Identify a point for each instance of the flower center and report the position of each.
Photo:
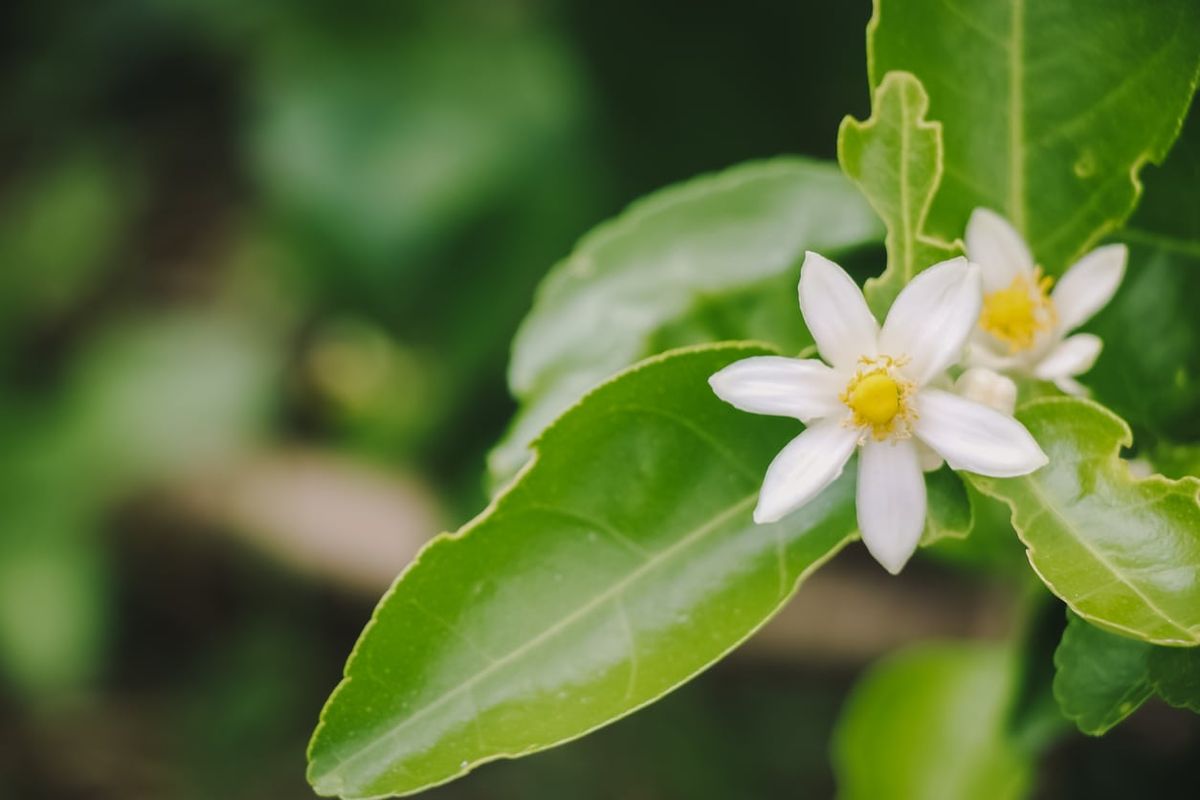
(1017, 315)
(877, 398)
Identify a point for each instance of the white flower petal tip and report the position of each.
(1068, 385)
(993, 243)
(975, 438)
(803, 468)
(786, 387)
(982, 385)
(835, 312)
(891, 501)
(1089, 284)
(1074, 355)
(930, 320)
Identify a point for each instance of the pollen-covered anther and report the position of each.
(1017, 314)
(879, 399)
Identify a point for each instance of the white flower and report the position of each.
(1023, 326)
(875, 398)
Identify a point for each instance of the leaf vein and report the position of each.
(550, 632)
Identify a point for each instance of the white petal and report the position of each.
(975, 438)
(1068, 385)
(928, 458)
(982, 385)
(981, 353)
(995, 245)
(930, 321)
(787, 387)
(1074, 355)
(1088, 285)
(891, 501)
(808, 464)
(835, 312)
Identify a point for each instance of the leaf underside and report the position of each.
(709, 249)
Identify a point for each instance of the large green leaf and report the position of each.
(1103, 678)
(1149, 369)
(895, 157)
(672, 256)
(1050, 109)
(620, 563)
(930, 723)
(1169, 213)
(1122, 552)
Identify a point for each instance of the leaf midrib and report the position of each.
(612, 592)
(1016, 116)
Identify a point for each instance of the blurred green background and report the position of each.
(260, 263)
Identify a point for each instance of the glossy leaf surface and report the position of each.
(619, 564)
(1050, 109)
(895, 157)
(929, 723)
(1122, 552)
(1102, 677)
(679, 254)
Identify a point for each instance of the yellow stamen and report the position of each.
(1017, 314)
(877, 397)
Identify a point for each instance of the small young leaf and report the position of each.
(930, 723)
(1123, 553)
(679, 252)
(1050, 109)
(1103, 678)
(895, 157)
(621, 562)
(951, 512)
(1175, 672)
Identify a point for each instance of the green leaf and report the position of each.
(620, 563)
(929, 723)
(1102, 678)
(670, 257)
(1152, 379)
(1175, 673)
(1169, 213)
(951, 510)
(1123, 553)
(1050, 109)
(1149, 369)
(895, 157)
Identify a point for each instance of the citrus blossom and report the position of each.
(874, 396)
